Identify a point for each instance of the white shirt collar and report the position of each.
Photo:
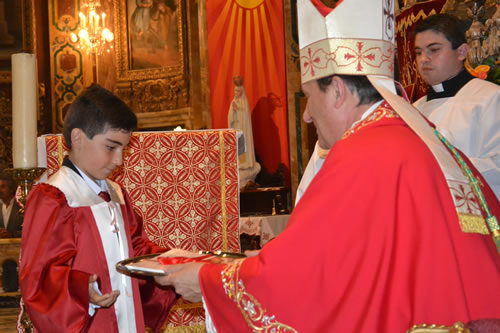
(96, 186)
(438, 87)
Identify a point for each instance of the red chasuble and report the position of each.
(374, 245)
(62, 248)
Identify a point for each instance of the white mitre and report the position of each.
(356, 37)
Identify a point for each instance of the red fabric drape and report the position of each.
(246, 37)
(364, 253)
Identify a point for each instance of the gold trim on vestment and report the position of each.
(380, 112)
(187, 306)
(458, 327)
(60, 150)
(346, 56)
(223, 191)
(253, 313)
(185, 329)
(472, 224)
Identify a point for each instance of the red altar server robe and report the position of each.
(374, 245)
(62, 248)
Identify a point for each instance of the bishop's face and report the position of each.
(436, 60)
(322, 109)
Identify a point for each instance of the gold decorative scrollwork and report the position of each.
(255, 315)
(157, 103)
(458, 327)
(157, 91)
(159, 94)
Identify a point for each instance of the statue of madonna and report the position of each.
(239, 118)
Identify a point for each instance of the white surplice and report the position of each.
(470, 120)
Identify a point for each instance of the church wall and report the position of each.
(162, 97)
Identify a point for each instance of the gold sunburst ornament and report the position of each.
(249, 4)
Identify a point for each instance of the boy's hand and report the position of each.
(104, 301)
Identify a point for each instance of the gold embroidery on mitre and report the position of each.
(383, 111)
(253, 313)
(351, 56)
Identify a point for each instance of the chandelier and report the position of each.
(93, 36)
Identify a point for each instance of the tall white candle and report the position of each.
(24, 110)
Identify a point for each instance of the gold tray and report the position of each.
(144, 265)
(148, 265)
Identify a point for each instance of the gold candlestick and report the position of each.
(25, 178)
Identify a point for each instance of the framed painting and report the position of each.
(17, 32)
(150, 39)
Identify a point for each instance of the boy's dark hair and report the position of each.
(356, 84)
(450, 26)
(95, 111)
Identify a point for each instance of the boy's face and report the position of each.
(437, 61)
(101, 155)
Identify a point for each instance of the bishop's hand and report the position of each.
(184, 278)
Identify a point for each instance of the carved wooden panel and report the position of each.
(302, 136)
(161, 79)
(157, 103)
(152, 61)
(69, 64)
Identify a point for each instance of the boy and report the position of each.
(79, 224)
(463, 108)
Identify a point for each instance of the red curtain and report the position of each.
(246, 37)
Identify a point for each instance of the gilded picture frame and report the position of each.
(19, 19)
(150, 39)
